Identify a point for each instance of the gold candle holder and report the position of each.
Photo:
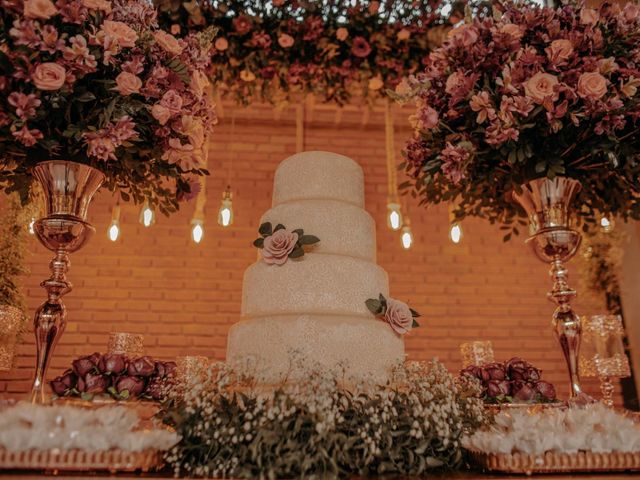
(476, 353)
(191, 368)
(129, 344)
(11, 319)
(602, 353)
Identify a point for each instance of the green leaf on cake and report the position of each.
(415, 324)
(297, 252)
(374, 306)
(279, 227)
(414, 314)
(258, 242)
(265, 229)
(309, 239)
(299, 231)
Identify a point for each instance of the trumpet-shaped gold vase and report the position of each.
(68, 188)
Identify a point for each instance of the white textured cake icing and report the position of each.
(314, 306)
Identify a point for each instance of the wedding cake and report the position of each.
(313, 307)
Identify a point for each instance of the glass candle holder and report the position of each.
(11, 319)
(602, 352)
(476, 353)
(191, 369)
(129, 344)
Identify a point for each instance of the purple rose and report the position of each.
(65, 382)
(141, 366)
(112, 363)
(84, 365)
(398, 315)
(476, 372)
(523, 391)
(93, 383)
(546, 390)
(278, 246)
(133, 385)
(165, 369)
(496, 371)
(498, 388)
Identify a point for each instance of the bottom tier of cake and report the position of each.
(288, 347)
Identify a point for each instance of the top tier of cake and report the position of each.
(319, 176)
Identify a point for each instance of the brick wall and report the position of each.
(184, 297)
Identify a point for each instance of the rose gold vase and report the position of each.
(547, 203)
(68, 188)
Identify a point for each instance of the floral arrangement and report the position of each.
(397, 314)
(527, 93)
(25, 427)
(279, 244)
(513, 381)
(275, 50)
(115, 376)
(318, 427)
(96, 82)
(596, 428)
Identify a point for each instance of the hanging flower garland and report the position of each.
(272, 51)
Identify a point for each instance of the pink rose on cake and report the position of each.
(279, 244)
(397, 314)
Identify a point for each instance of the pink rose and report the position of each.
(278, 246)
(559, 50)
(49, 76)
(221, 44)
(589, 16)
(398, 315)
(631, 12)
(127, 83)
(512, 30)
(40, 9)
(453, 82)
(541, 86)
(467, 35)
(403, 35)
(429, 119)
(120, 33)
(285, 41)
(161, 113)
(198, 83)
(342, 34)
(172, 101)
(103, 5)
(168, 42)
(592, 86)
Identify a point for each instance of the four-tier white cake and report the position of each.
(314, 307)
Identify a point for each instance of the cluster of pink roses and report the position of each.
(272, 50)
(530, 91)
(96, 81)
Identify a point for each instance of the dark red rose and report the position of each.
(65, 382)
(93, 383)
(526, 374)
(112, 363)
(360, 47)
(141, 366)
(495, 371)
(133, 385)
(522, 391)
(83, 365)
(242, 24)
(498, 388)
(164, 369)
(546, 390)
(476, 372)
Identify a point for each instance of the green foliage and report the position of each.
(320, 428)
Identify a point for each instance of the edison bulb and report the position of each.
(147, 216)
(455, 234)
(394, 219)
(605, 223)
(225, 214)
(407, 237)
(114, 231)
(197, 231)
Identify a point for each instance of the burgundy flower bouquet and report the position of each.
(98, 83)
(529, 93)
(115, 376)
(515, 381)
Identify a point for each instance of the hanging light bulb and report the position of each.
(394, 216)
(147, 215)
(225, 214)
(407, 237)
(113, 232)
(32, 224)
(455, 233)
(197, 229)
(606, 224)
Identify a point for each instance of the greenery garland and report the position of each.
(336, 49)
(320, 428)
